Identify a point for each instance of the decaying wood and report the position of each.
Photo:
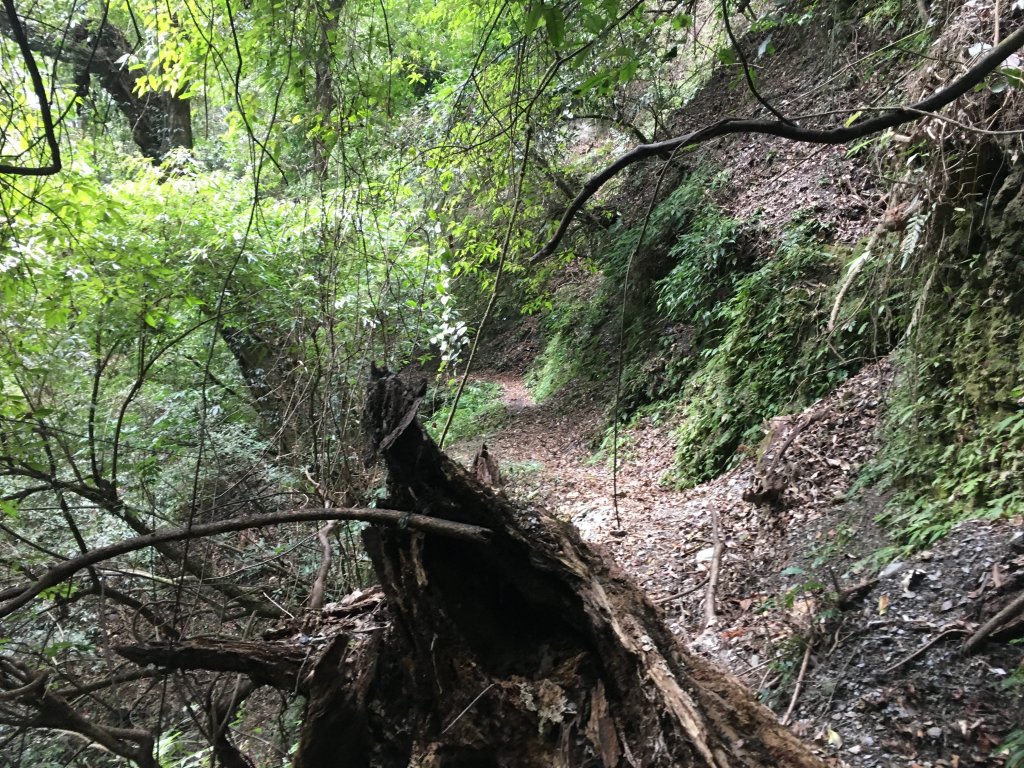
(274, 664)
(525, 651)
(710, 616)
(1013, 609)
(485, 468)
(773, 475)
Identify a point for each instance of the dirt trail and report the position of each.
(780, 564)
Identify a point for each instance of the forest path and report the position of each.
(869, 696)
(546, 453)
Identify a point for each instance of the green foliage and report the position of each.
(771, 357)
(572, 330)
(1013, 749)
(954, 432)
(1013, 745)
(709, 262)
(897, 14)
(481, 410)
(554, 367)
(581, 326)
(677, 219)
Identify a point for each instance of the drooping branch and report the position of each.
(791, 130)
(16, 597)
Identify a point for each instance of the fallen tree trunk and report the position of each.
(524, 650)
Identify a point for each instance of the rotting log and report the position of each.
(526, 650)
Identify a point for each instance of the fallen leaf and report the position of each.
(883, 604)
(833, 738)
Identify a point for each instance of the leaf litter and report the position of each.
(873, 649)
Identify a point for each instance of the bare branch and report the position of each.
(17, 597)
(18, 33)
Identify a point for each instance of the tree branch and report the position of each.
(18, 33)
(53, 712)
(790, 130)
(16, 597)
(158, 121)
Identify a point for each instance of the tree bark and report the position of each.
(158, 121)
(526, 650)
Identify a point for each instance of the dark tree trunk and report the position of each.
(274, 377)
(158, 122)
(525, 651)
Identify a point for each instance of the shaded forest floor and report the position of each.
(881, 678)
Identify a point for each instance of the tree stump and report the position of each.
(526, 651)
(485, 468)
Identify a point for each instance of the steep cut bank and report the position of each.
(751, 277)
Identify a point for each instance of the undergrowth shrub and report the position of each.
(680, 215)
(953, 433)
(953, 444)
(762, 364)
(581, 328)
(774, 354)
(571, 327)
(480, 411)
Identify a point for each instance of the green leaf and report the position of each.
(533, 17)
(554, 21)
(627, 71)
(600, 81)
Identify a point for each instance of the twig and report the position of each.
(668, 598)
(990, 626)
(468, 707)
(914, 654)
(716, 560)
(746, 66)
(799, 684)
(316, 595)
(832, 695)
